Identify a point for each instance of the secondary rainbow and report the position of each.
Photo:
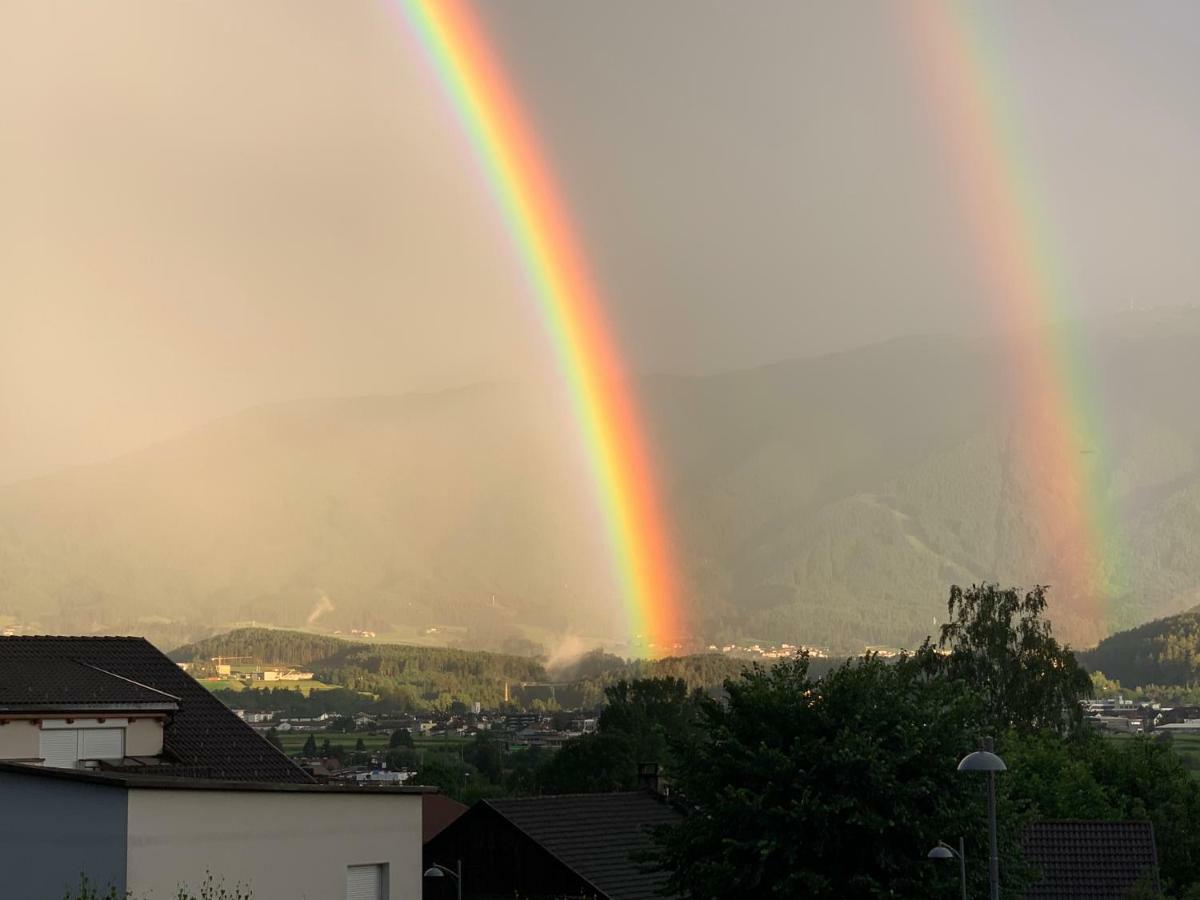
(1055, 403)
(570, 306)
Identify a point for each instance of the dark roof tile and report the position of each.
(202, 735)
(1098, 860)
(596, 835)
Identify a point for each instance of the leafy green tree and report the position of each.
(825, 788)
(310, 746)
(403, 758)
(360, 746)
(640, 722)
(650, 712)
(1000, 643)
(401, 737)
(593, 763)
(521, 777)
(445, 772)
(1090, 776)
(486, 754)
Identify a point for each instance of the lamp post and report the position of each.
(439, 871)
(986, 761)
(945, 851)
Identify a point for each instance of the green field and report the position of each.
(232, 684)
(293, 742)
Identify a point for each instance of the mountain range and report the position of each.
(827, 501)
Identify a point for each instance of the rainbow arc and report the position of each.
(570, 306)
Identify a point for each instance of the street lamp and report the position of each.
(945, 851)
(439, 871)
(986, 761)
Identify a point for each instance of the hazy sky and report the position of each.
(206, 205)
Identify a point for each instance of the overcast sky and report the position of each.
(208, 205)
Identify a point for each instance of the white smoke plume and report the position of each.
(324, 605)
(566, 652)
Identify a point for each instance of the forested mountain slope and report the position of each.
(827, 501)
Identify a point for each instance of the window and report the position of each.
(366, 882)
(102, 743)
(63, 748)
(59, 749)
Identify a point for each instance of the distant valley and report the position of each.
(827, 501)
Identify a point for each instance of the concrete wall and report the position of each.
(19, 740)
(283, 845)
(53, 830)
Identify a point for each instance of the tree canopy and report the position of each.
(1000, 643)
(824, 788)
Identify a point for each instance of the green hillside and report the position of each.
(1163, 652)
(430, 677)
(826, 501)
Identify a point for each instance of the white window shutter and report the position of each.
(59, 748)
(103, 743)
(364, 883)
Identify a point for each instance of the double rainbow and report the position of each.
(570, 306)
(1058, 434)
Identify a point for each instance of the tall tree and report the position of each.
(1000, 643)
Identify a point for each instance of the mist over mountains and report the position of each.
(826, 501)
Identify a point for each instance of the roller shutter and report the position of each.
(102, 743)
(364, 883)
(59, 748)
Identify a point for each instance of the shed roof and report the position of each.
(201, 735)
(595, 835)
(1093, 859)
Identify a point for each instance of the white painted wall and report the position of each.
(284, 845)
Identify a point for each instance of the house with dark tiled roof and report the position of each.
(117, 765)
(1075, 858)
(576, 845)
(118, 704)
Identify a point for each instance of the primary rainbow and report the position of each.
(570, 306)
(1055, 403)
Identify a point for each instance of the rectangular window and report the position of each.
(63, 748)
(102, 743)
(59, 749)
(366, 882)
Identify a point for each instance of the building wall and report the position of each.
(19, 740)
(52, 831)
(144, 737)
(282, 845)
